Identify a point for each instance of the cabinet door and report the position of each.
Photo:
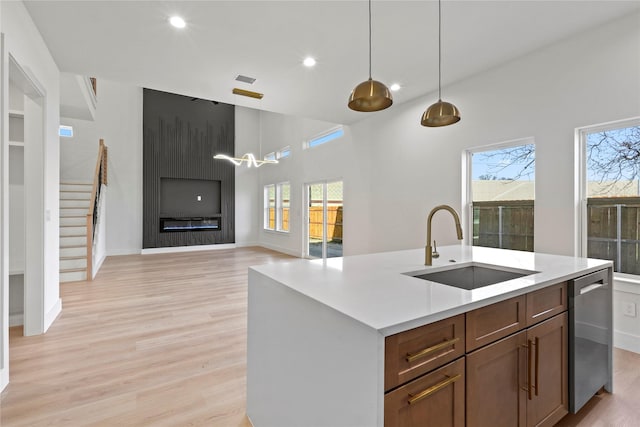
(549, 403)
(496, 383)
(433, 400)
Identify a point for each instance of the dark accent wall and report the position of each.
(181, 136)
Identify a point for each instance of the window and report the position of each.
(610, 194)
(270, 156)
(325, 137)
(283, 203)
(277, 204)
(65, 131)
(501, 195)
(269, 207)
(284, 152)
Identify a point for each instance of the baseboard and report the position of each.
(51, 316)
(246, 244)
(281, 249)
(118, 252)
(626, 341)
(194, 248)
(16, 319)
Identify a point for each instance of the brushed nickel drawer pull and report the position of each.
(429, 350)
(413, 398)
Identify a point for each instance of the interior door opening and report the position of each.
(325, 210)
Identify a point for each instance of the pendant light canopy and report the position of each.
(370, 95)
(441, 113)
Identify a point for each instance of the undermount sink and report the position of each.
(471, 276)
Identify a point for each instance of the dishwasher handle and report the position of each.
(588, 283)
(590, 288)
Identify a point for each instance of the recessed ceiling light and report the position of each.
(177, 22)
(309, 61)
(394, 87)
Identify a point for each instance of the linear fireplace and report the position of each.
(190, 205)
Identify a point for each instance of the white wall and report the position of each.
(22, 40)
(248, 198)
(119, 123)
(588, 79)
(24, 43)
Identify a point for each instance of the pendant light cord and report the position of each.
(439, 51)
(369, 39)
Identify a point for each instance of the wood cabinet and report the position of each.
(488, 324)
(516, 357)
(420, 350)
(434, 399)
(496, 383)
(549, 371)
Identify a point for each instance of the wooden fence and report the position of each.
(613, 232)
(334, 223)
(503, 224)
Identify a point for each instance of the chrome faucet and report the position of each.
(428, 252)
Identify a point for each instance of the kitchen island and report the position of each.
(318, 331)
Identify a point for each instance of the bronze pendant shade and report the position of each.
(441, 113)
(370, 95)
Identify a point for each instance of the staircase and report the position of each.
(75, 198)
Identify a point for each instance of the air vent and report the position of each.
(245, 79)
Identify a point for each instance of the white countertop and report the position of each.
(372, 289)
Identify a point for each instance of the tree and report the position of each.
(613, 156)
(517, 162)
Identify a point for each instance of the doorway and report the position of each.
(325, 210)
(26, 199)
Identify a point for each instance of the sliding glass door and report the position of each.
(324, 219)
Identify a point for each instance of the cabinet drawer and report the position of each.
(487, 324)
(546, 303)
(414, 352)
(435, 399)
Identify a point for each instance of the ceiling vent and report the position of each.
(245, 79)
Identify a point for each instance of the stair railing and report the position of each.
(99, 178)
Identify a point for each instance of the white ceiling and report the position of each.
(132, 42)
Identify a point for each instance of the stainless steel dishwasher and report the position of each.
(590, 337)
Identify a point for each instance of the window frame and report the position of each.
(280, 153)
(581, 185)
(467, 190)
(314, 141)
(267, 207)
(277, 208)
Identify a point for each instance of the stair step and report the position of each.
(67, 241)
(73, 264)
(73, 276)
(77, 195)
(70, 186)
(73, 230)
(74, 203)
(69, 251)
(73, 221)
(66, 211)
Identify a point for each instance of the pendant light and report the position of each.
(249, 158)
(441, 113)
(370, 95)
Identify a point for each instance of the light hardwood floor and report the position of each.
(160, 340)
(155, 340)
